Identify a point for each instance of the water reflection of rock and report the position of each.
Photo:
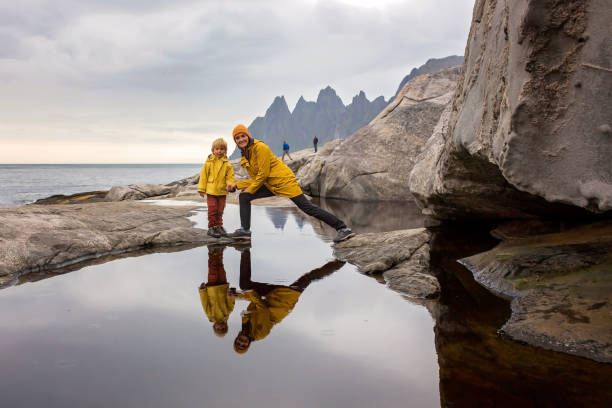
(560, 283)
(375, 216)
(278, 216)
(365, 216)
(480, 368)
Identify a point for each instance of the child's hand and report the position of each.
(231, 187)
(202, 194)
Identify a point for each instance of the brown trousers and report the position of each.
(216, 205)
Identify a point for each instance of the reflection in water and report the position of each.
(270, 303)
(140, 336)
(215, 295)
(277, 216)
(360, 344)
(477, 366)
(360, 216)
(377, 216)
(300, 222)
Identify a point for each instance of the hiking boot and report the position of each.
(240, 234)
(212, 231)
(221, 231)
(343, 235)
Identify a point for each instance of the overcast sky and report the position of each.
(152, 81)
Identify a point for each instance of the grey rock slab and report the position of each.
(34, 237)
(401, 256)
(560, 285)
(412, 277)
(139, 191)
(309, 172)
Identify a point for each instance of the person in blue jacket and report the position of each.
(285, 150)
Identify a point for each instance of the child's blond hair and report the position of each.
(219, 143)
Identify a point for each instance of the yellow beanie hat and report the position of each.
(240, 129)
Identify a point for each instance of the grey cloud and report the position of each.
(191, 62)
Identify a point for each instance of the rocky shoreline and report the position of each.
(37, 238)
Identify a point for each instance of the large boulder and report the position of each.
(309, 172)
(531, 121)
(375, 162)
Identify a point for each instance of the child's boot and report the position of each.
(212, 231)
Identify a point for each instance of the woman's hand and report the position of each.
(231, 187)
(202, 194)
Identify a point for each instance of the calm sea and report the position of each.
(26, 183)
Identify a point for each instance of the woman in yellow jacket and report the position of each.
(270, 176)
(270, 304)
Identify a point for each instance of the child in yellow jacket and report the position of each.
(215, 294)
(216, 174)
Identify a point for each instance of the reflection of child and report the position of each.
(214, 294)
(270, 304)
(216, 174)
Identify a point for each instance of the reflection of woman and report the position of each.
(214, 294)
(269, 176)
(270, 304)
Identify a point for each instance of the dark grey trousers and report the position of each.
(301, 201)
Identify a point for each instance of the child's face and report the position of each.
(219, 151)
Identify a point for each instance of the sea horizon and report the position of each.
(24, 183)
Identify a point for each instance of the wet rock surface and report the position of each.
(402, 257)
(561, 286)
(34, 237)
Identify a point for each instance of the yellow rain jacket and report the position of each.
(264, 313)
(215, 302)
(216, 174)
(266, 169)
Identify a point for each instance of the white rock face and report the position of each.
(375, 162)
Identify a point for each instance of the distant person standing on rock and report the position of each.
(269, 176)
(315, 141)
(286, 150)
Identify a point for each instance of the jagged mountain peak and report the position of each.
(279, 107)
(327, 92)
(360, 97)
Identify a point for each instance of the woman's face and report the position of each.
(242, 140)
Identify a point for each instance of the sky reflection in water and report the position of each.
(132, 332)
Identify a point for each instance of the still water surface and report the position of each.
(133, 332)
